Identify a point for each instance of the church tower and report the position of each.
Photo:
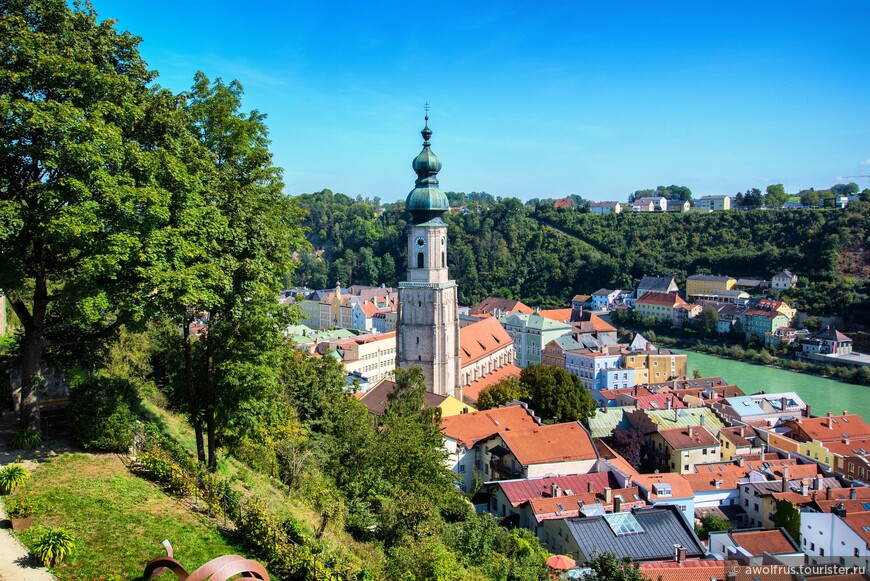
(428, 322)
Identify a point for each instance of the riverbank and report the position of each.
(841, 373)
(823, 394)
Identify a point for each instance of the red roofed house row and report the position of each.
(463, 432)
(541, 451)
(484, 347)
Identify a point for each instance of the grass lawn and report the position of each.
(118, 519)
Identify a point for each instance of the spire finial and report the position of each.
(427, 133)
(426, 109)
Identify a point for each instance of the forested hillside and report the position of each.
(544, 255)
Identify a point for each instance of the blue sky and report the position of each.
(540, 99)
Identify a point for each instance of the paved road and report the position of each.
(15, 563)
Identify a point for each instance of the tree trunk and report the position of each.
(210, 403)
(33, 322)
(193, 401)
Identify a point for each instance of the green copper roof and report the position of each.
(426, 201)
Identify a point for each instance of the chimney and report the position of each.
(819, 482)
(703, 421)
(589, 487)
(839, 510)
(676, 415)
(844, 412)
(829, 414)
(555, 491)
(805, 488)
(740, 461)
(853, 493)
(782, 403)
(807, 411)
(717, 483)
(670, 400)
(785, 480)
(608, 495)
(828, 494)
(617, 505)
(690, 431)
(730, 576)
(679, 553)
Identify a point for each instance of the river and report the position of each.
(822, 394)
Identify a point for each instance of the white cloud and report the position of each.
(865, 161)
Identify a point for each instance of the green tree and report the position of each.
(775, 196)
(785, 515)
(711, 523)
(810, 198)
(88, 151)
(251, 243)
(505, 391)
(606, 567)
(554, 392)
(708, 320)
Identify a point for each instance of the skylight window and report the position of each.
(623, 523)
(866, 529)
(560, 506)
(866, 505)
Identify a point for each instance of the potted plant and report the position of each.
(21, 509)
(12, 477)
(52, 546)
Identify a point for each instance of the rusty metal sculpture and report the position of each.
(219, 569)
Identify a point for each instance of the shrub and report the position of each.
(159, 466)
(27, 438)
(12, 477)
(102, 413)
(53, 546)
(22, 505)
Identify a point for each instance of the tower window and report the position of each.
(443, 260)
(419, 260)
(418, 340)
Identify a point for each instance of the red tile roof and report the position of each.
(860, 523)
(689, 437)
(480, 339)
(659, 401)
(706, 481)
(491, 304)
(772, 541)
(472, 391)
(558, 315)
(662, 299)
(570, 506)
(685, 571)
(554, 443)
(835, 428)
(468, 429)
(520, 491)
(679, 486)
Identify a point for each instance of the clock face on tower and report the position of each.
(420, 242)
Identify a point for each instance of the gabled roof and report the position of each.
(581, 298)
(535, 322)
(690, 570)
(376, 398)
(560, 315)
(554, 443)
(853, 447)
(784, 274)
(659, 401)
(726, 479)
(745, 406)
(737, 435)
(647, 199)
(481, 339)
(660, 529)
(831, 429)
(682, 418)
(680, 488)
(490, 304)
(603, 292)
(472, 391)
(758, 542)
(468, 429)
(661, 299)
(689, 437)
(658, 284)
(524, 490)
(604, 422)
(570, 506)
(830, 334)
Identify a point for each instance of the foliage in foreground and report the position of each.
(52, 546)
(13, 476)
(102, 413)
